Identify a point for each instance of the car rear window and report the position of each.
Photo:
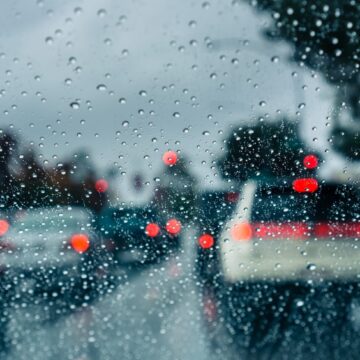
(338, 204)
(331, 203)
(282, 205)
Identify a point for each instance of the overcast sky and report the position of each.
(181, 93)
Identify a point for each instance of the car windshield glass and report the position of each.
(179, 179)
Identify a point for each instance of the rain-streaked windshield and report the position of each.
(179, 180)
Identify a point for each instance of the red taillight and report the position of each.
(80, 243)
(4, 227)
(281, 231)
(206, 241)
(173, 226)
(345, 230)
(152, 230)
(305, 185)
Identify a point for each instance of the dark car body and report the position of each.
(125, 232)
(53, 250)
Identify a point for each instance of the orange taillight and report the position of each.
(80, 243)
(241, 231)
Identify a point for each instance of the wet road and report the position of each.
(154, 314)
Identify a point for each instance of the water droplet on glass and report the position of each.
(101, 87)
(75, 105)
(311, 267)
(101, 13)
(49, 40)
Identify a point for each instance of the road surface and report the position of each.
(154, 314)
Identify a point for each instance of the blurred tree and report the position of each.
(36, 187)
(325, 35)
(8, 184)
(271, 149)
(175, 192)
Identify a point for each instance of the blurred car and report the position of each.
(139, 235)
(277, 260)
(53, 250)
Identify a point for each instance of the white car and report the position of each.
(53, 249)
(276, 233)
(275, 257)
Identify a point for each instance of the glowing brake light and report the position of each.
(275, 231)
(338, 230)
(173, 226)
(305, 185)
(80, 243)
(152, 230)
(206, 241)
(4, 227)
(241, 231)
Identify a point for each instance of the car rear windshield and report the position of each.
(331, 203)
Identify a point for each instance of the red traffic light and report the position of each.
(170, 158)
(311, 161)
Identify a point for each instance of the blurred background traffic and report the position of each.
(179, 180)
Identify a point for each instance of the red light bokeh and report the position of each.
(152, 230)
(4, 227)
(101, 185)
(305, 185)
(311, 161)
(241, 231)
(80, 243)
(206, 241)
(170, 158)
(173, 226)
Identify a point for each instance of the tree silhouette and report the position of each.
(324, 35)
(272, 149)
(8, 185)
